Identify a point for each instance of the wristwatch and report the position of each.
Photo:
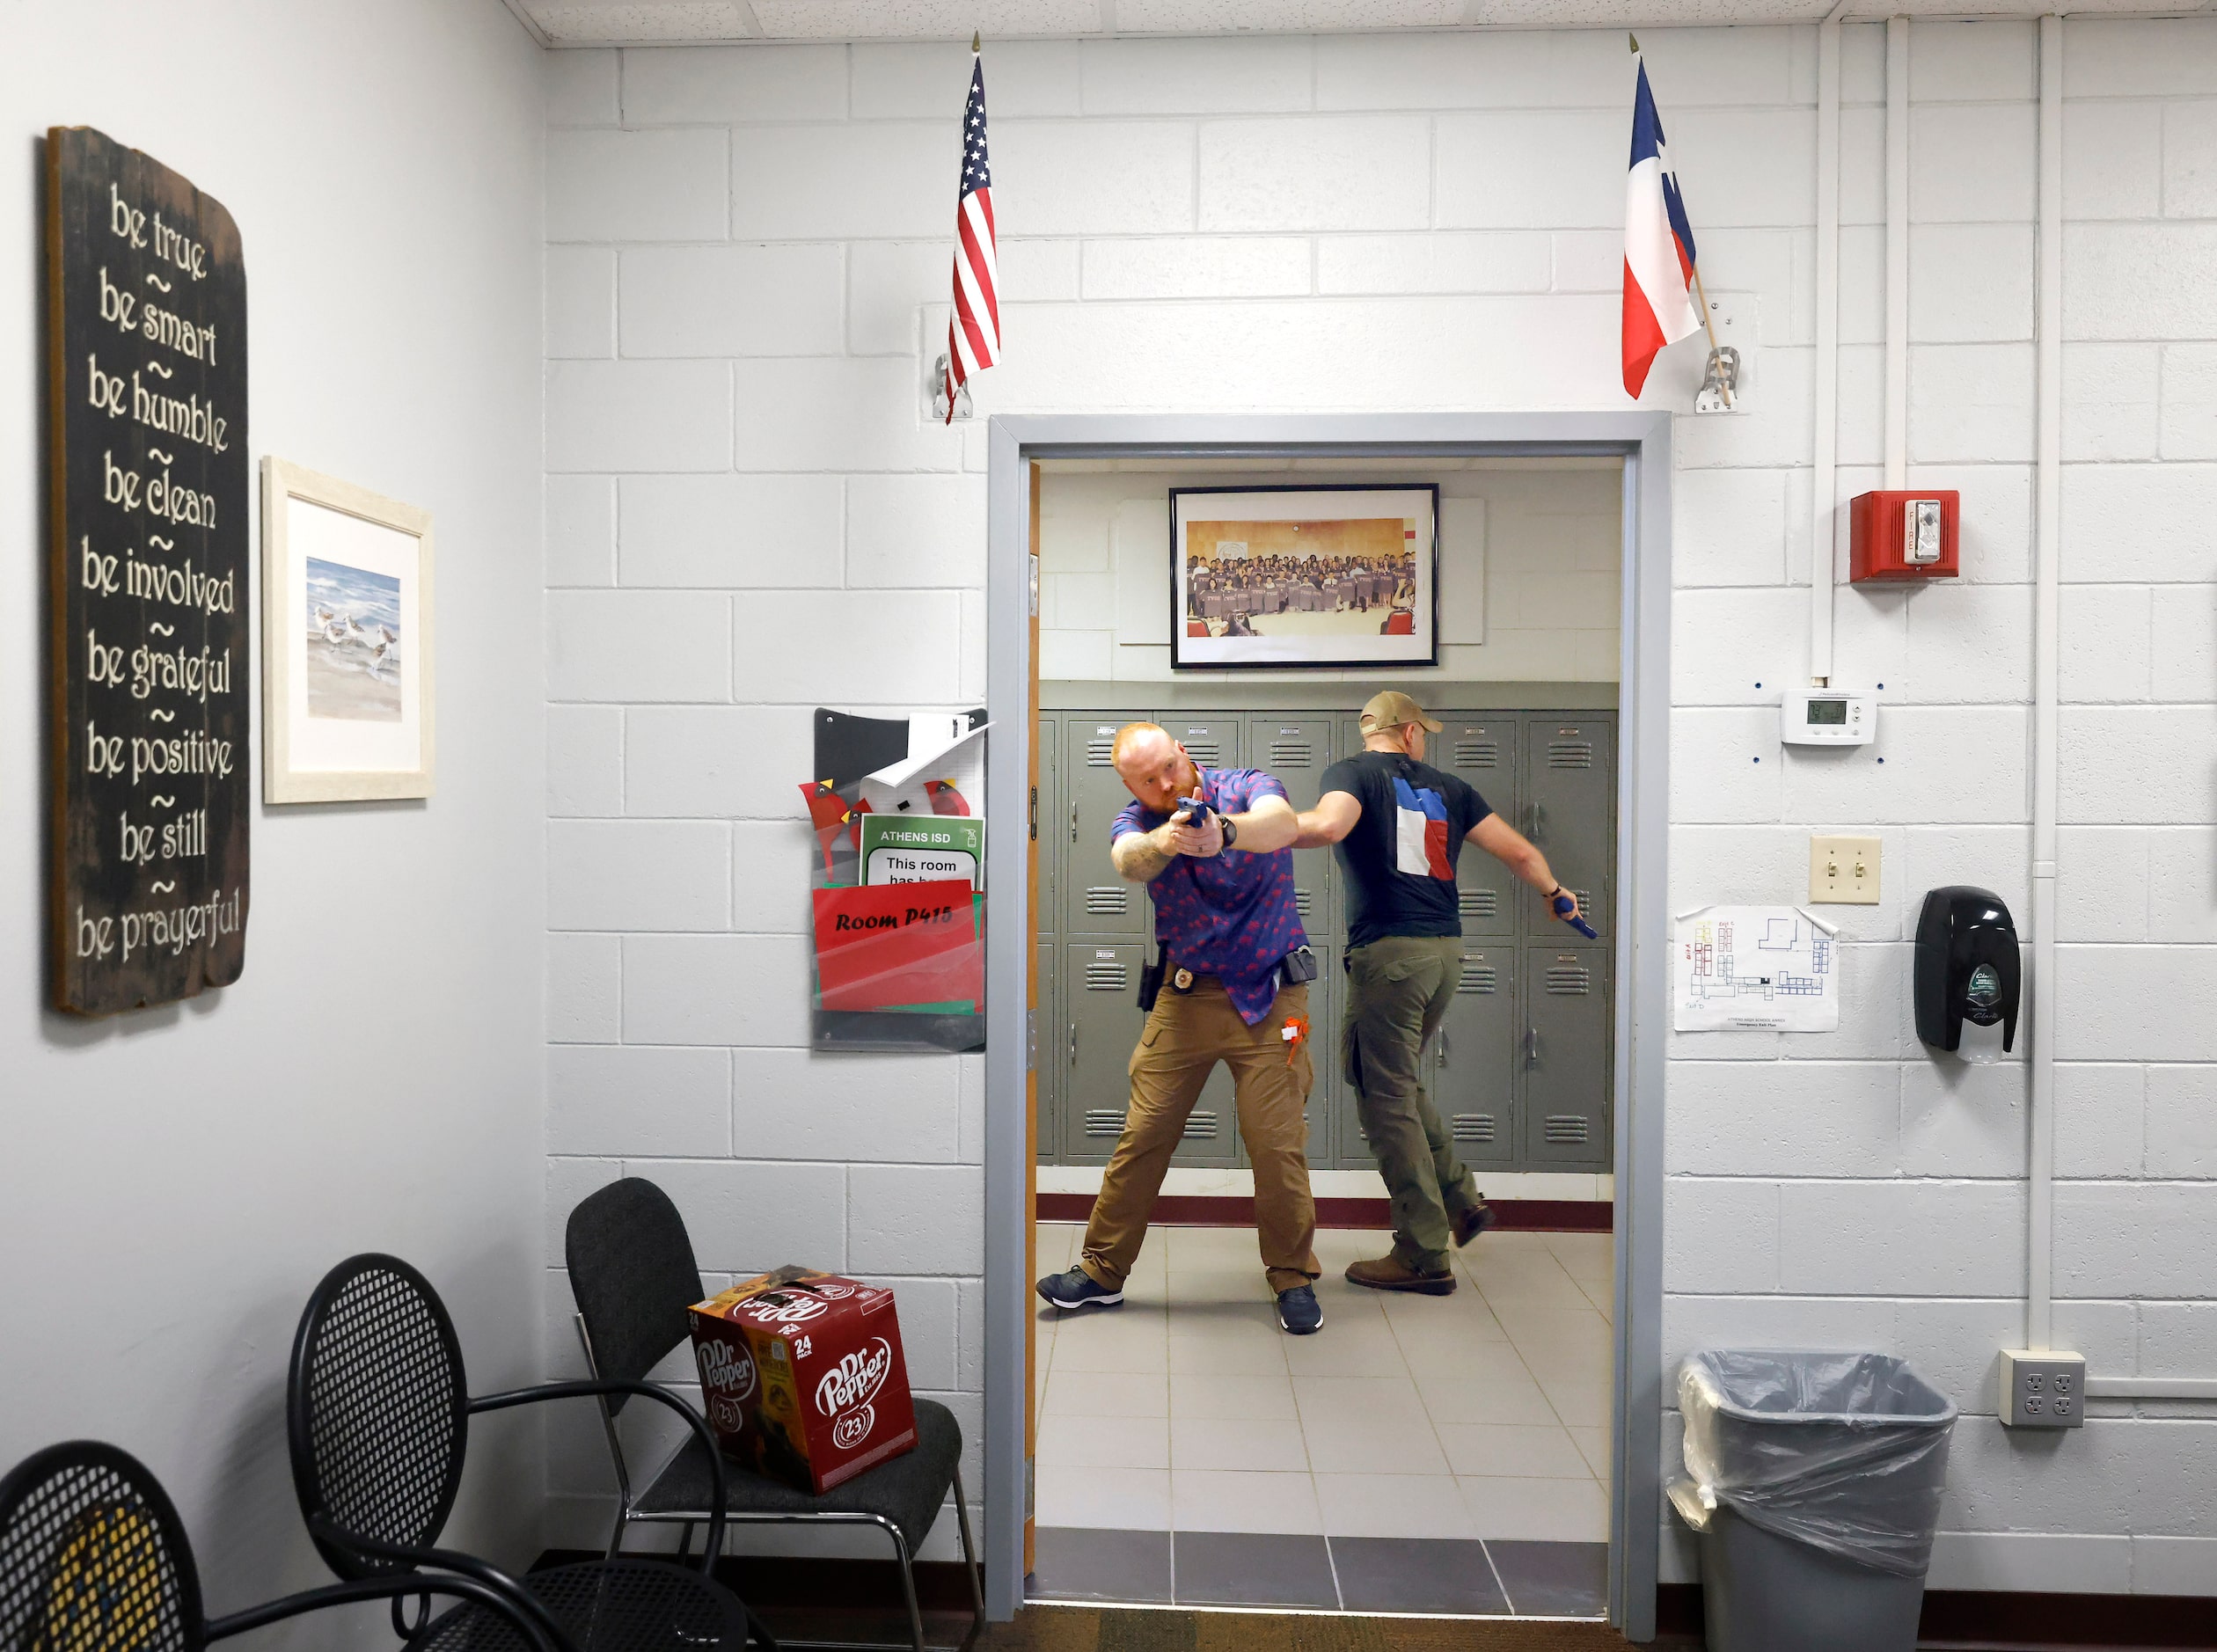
(1231, 831)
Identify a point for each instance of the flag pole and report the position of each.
(1716, 349)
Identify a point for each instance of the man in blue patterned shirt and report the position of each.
(1235, 990)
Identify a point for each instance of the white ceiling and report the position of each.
(707, 22)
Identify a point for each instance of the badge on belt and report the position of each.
(1182, 979)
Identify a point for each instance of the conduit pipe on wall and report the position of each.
(1897, 252)
(2039, 1304)
(1824, 484)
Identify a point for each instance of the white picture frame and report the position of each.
(349, 693)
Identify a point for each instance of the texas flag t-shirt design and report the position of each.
(1421, 845)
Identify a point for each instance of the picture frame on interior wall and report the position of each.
(1304, 575)
(348, 695)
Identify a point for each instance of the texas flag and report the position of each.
(1658, 245)
(1420, 846)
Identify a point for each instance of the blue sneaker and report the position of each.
(1078, 1289)
(1298, 1311)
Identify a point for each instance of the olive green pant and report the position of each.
(1187, 1034)
(1398, 990)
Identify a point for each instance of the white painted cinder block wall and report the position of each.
(749, 515)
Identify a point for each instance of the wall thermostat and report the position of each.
(1827, 717)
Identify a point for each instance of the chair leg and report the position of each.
(908, 1587)
(969, 1565)
(684, 1542)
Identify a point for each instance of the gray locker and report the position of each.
(1323, 1046)
(1481, 751)
(1296, 751)
(1211, 741)
(1102, 990)
(1473, 1076)
(1048, 1021)
(1047, 812)
(1569, 811)
(1101, 986)
(1566, 1057)
(1095, 901)
(1468, 1069)
(1324, 1012)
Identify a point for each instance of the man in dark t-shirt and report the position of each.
(1399, 824)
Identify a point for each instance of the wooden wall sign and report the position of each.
(146, 294)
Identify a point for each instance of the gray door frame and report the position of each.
(1643, 440)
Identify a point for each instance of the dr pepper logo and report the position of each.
(845, 1391)
(727, 1376)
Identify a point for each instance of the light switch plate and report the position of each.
(2042, 1389)
(1843, 870)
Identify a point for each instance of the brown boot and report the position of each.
(1472, 1223)
(1390, 1273)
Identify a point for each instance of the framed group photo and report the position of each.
(348, 695)
(1292, 577)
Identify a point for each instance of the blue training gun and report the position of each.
(1564, 905)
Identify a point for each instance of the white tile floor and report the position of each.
(1481, 1415)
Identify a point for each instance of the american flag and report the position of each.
(973, 335)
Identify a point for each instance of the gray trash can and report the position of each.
(1814, 1480)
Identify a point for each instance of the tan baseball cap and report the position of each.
(1391, 710)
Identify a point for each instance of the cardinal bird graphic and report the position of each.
(945, 799)
(826, 812)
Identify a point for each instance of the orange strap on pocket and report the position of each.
(1295, 1033)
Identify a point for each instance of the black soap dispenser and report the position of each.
(1967, 968)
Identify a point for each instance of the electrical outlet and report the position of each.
(2042, 1388)
(1843, 870)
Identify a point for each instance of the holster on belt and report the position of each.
(1151, 981)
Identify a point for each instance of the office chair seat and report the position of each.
(906, 1492)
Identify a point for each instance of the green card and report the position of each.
(923, 848)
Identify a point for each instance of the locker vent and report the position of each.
(1570, 980)
(1570, 754)
(1302, 900)
(1103, 1121)
(1108, 977)
(1474, 1127)
(1206, 753)
(1478, 902)
(1585, 904)
(1477, 754)
(1564, 1129)
(1478, 978)
(1202, 1127)
(1292, 754)
(1107, 900)
(1097, 753)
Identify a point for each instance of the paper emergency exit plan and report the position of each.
(1754, 968)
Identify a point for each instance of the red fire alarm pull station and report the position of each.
(1903, 535)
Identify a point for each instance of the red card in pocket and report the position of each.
(879, 946)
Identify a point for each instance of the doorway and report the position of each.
(1203, 1270)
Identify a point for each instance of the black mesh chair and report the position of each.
(93, 1559)
(378, 1416)
(632, 1268)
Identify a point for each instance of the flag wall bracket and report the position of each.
(1720, 383)
(939, 392)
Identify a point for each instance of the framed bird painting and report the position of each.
(347, 697)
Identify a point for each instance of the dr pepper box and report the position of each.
(803, 1375)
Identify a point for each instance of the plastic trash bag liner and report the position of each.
(1847, 1452)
